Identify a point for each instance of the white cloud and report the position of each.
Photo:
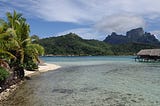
(53, 10)
(106, 15)
(120, 23)
(86, 33)
(80, 11)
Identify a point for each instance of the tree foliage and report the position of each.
(16, 45)
(131, 48)
(3, 74)
(72, 44)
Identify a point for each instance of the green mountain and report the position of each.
(131, 48)
(72, 44)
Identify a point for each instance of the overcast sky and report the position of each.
(91, 19)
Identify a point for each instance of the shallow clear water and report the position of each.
(92, 81)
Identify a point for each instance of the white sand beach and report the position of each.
(43, 68)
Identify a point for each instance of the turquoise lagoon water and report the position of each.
(92, 81)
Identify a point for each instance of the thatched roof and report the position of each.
(149, 52)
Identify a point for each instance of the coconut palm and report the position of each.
(6, 42)
(17, 43)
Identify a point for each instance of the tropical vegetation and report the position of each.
(73, 45)
(17, 52)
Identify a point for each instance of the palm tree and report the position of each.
(6, 42)
(18, 44)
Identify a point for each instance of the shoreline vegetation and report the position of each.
(17, 53)
(45, 67)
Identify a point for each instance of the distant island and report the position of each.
(133, 36)
(73, 45)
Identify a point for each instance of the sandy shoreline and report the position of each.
(42, 68)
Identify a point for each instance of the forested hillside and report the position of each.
(73, 45)
(131, 48)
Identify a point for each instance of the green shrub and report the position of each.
(3, 74)
(30, 65)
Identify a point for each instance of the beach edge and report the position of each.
(41, 69)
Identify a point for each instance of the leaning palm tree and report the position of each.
(25, 49)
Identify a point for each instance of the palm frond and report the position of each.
(28, 40)
(38, 48)
(7, 53)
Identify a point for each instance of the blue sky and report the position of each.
(91, 19)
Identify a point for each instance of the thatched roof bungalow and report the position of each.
(149, 54)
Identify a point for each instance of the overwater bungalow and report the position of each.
(148, 55)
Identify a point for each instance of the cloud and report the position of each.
(52, 10)
(105, 15)
(86, 33)
(82, 11)
(119, 23)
